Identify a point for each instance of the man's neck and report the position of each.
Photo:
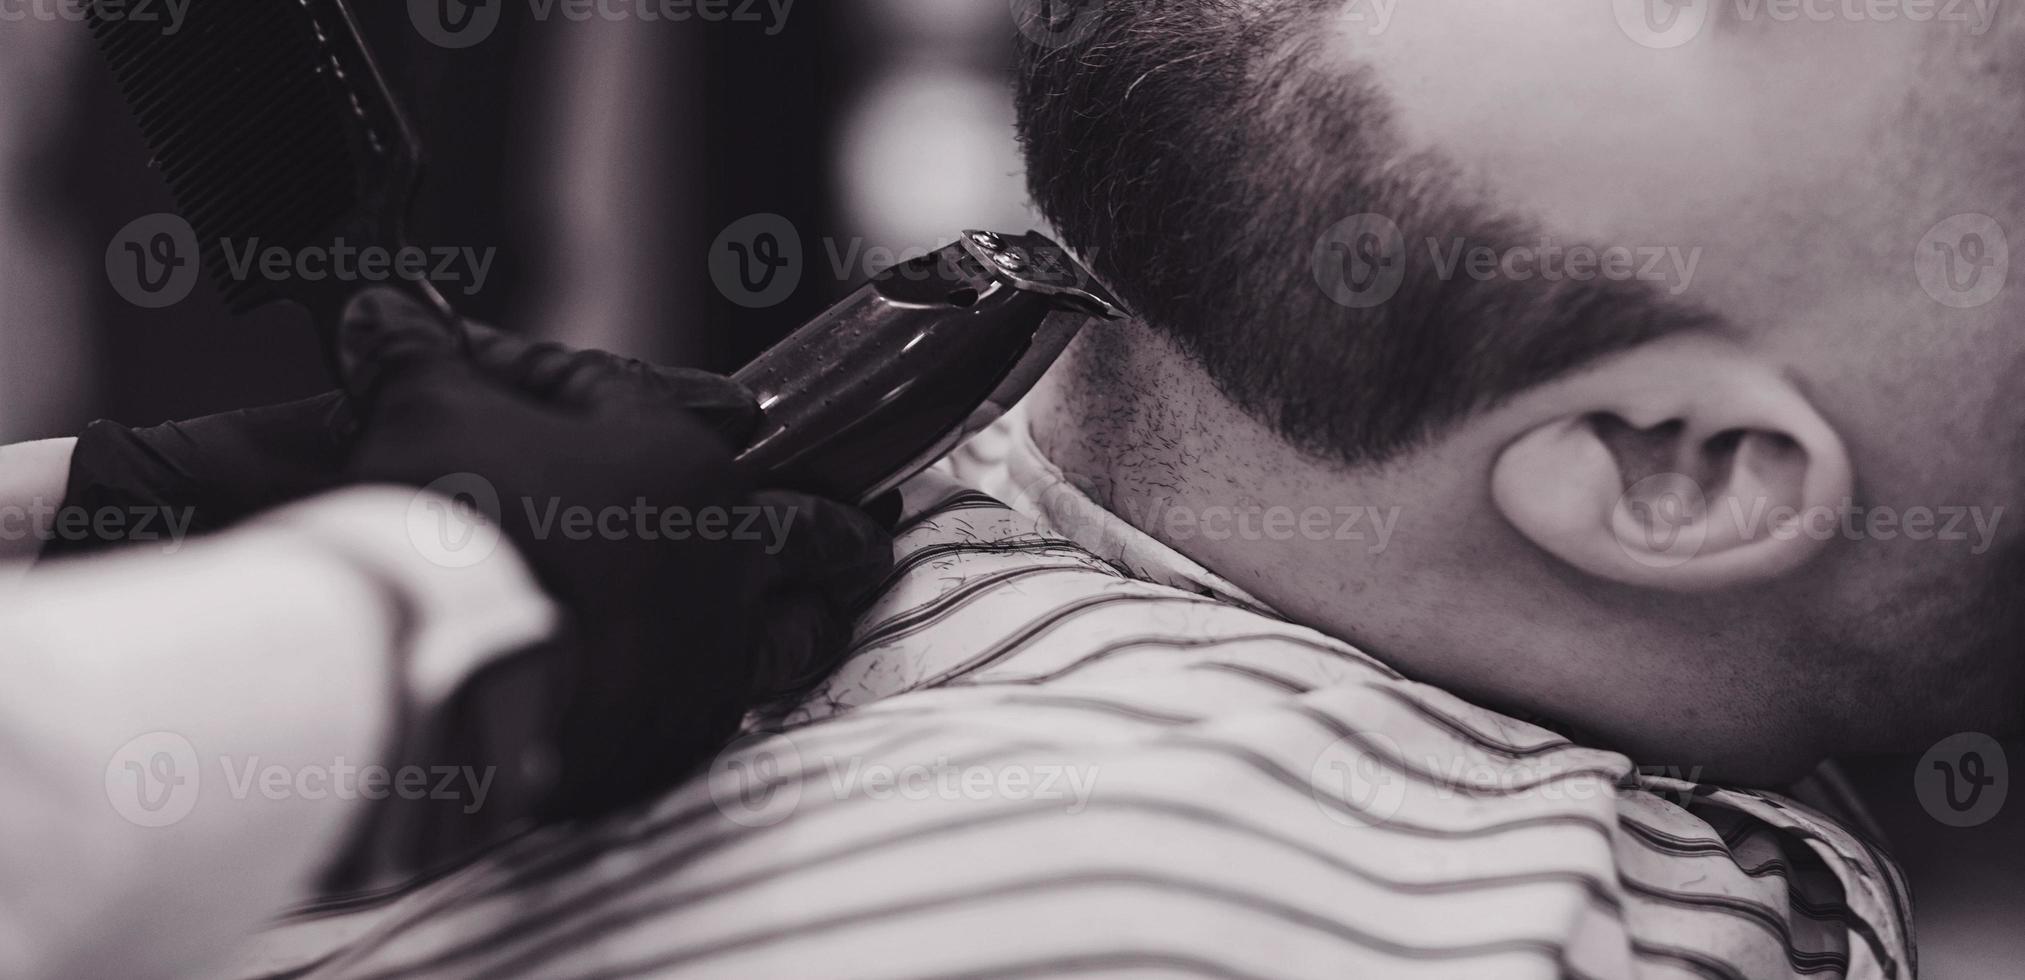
(1134, 424)
(1127, 419)
(1143, 432)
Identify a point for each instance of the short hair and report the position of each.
(1197, 151)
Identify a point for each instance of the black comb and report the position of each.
(272, 125)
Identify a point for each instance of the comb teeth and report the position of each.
(263, 115)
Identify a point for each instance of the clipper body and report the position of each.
(927, 354)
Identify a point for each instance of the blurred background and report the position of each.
(598, 160)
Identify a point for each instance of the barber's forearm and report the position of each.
(33, 478)
(185, 738)
(148, 700)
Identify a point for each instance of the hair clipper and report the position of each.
(927, 354)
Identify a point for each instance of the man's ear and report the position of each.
(1684, 465)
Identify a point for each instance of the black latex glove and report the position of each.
(809, 592)
(213, 472)
(208, 473)
(673, 639)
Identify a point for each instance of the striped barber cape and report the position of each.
(1061, 748)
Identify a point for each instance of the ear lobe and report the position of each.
(1684, 468)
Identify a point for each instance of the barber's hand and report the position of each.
(829, 559)
(681, 622)
(204, 475)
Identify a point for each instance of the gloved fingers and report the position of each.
(618, 389)
(728, 407)
(800, 639)
(544, 370)
(576, 379)
(887, 509)
(836, 548)
(386, 339)
(494, 350)
(827, 563)
(816, 595)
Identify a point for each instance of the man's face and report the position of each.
(1838, 184)
(1833, 177)
(1847, 185)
